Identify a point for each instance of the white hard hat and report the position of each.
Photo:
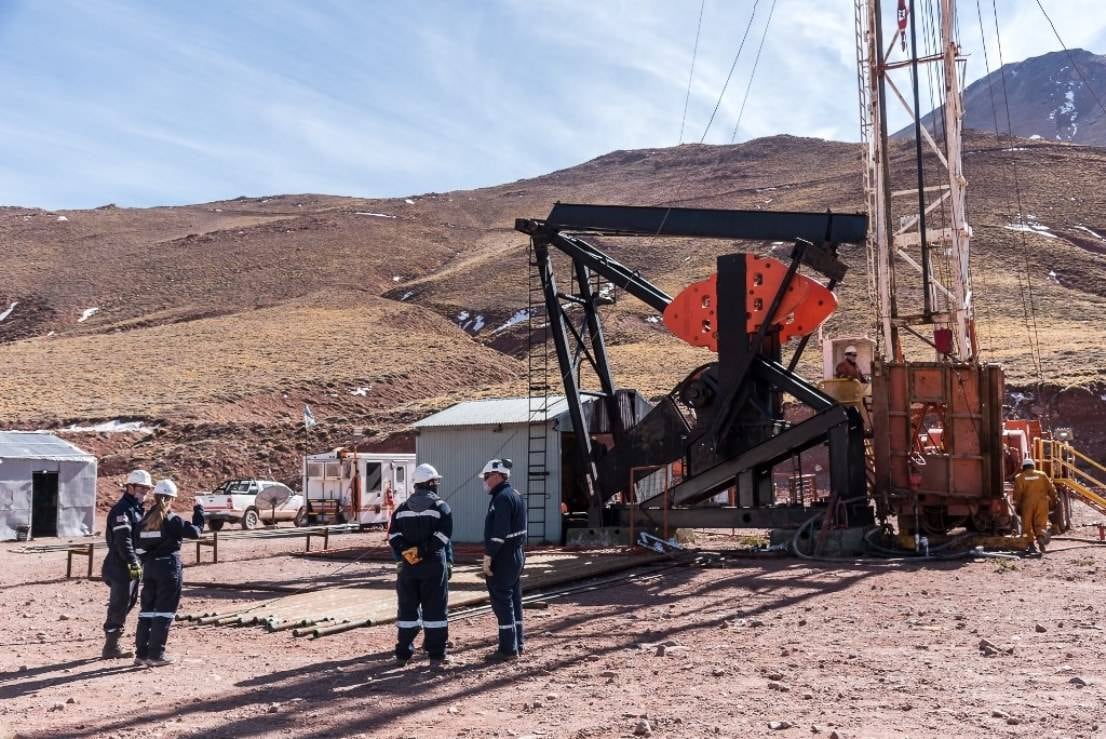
(1028, 462)
(168, 488)
(502, 466)
(425, 473)
(140, 477)
(850, 349)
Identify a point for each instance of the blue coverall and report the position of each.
(161, 581)
(121, 533)
(424, 522)
(504, 542)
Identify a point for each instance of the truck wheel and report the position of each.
(301, 518)
(250, 519)
(216, 525)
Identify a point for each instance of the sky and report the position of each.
(173, 102)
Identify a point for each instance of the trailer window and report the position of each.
(372, 477)
(347, 470)
(332, 469)
(314, 469)
(399, 473)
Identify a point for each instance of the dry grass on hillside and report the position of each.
(167, 370)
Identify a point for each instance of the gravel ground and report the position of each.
(869, 650)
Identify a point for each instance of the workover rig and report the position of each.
(922, 445)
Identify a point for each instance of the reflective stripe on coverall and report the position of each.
(161, 583)
(423, 521)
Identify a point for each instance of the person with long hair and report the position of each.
(160, 534)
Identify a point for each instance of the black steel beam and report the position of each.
(735, 398)
(751, 225)
(599, 351)
(711, 517)
(785, 444)
(612, 270)
(790, 383)
(586, 471)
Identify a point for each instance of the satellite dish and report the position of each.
(273, 496)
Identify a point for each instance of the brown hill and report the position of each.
(217, 322)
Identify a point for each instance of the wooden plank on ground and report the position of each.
(375, 605)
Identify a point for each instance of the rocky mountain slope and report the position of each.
(1056, 97)
(214, 324)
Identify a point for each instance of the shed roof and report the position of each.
(494, 412)
(38, 445)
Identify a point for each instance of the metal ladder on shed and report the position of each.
(537, 378)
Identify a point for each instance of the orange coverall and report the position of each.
(1034, 493)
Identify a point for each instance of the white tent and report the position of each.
(47, 486)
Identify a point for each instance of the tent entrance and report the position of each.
(44, 504)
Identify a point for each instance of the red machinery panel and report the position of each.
(806, 305)
(937, 429)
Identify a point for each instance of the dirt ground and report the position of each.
(864, 650)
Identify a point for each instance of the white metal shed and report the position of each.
(460, 439)
(47, 486)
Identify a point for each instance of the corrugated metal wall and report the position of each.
(459, 453)
(76, 494)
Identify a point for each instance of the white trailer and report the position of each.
(356, 487)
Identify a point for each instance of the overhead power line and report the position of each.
(753, 74)
(733, 66)
(691, 74)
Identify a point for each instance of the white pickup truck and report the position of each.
(236, 501)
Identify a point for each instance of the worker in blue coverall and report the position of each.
(504, 556)
(419, 534)
(121, 569)
(160, 535)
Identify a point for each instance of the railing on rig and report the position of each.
(1061, 461)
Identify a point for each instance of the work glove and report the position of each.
(399, 567)
(198, 516)
(487, 566)
(135, 571)
(412, 555)
(448, 570)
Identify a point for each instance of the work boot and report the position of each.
(440, 663)
(498, 656)
(139, 661)
(111, 649)
(1043, 540)
(161, 661)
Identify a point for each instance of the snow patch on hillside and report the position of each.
(518, 317)
(87, 313)
(372, 215)
(1065, 115)
(1081, 228)
(468, 322)
(1030, 224)
(112, 427)
(8, 312)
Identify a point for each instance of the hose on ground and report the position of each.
(888, 555)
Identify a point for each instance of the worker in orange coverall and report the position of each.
(1034, 494)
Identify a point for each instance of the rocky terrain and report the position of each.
(748, 647)
(211, 326)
